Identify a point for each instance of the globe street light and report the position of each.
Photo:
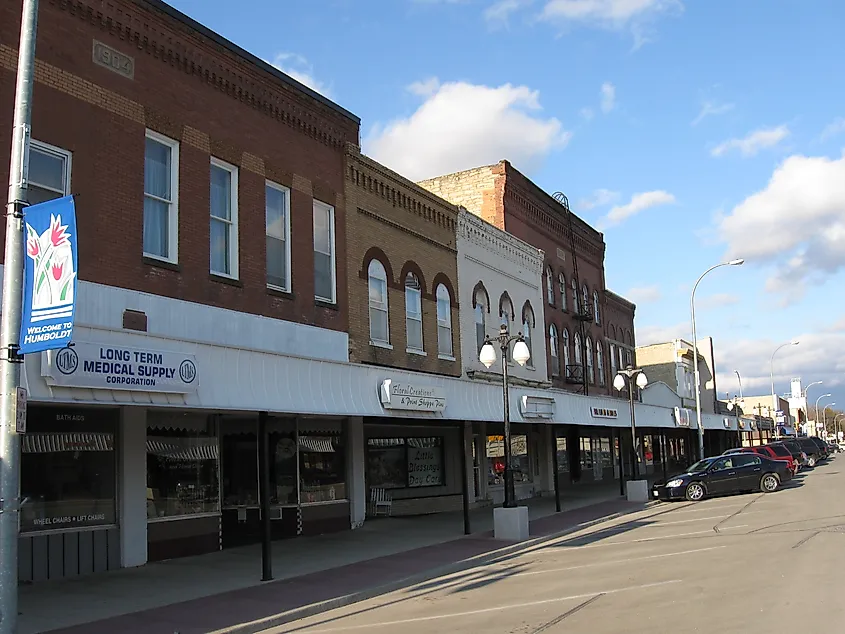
(626, 377)
(738, 262)
(772, 373)
(487, 356)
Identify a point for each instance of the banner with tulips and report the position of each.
(49, 292)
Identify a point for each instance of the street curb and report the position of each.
(261, 625)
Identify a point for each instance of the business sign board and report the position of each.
(49, 291)
(418, 398)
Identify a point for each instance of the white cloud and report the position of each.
(426, 87)
(712, 109)
(638, 203)
(752, 143)
(796, 223)
(301, 70)
(608, 97)
(498, 14)
(836, 127)
(644, 294)
(820, 356)
(587, 114)
(717, 300)
(462, 125)
(648, 335)
(611, 14)
(600, 198)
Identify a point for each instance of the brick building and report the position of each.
(576, 325)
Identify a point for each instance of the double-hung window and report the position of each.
(444, 321)
(277, 214)
(224, 219)
(324, 253)
(377, 283)
(161, 196)
(413, 313)
(49, 172)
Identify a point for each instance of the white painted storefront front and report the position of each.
(210, 361)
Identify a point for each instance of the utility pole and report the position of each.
(10, 324)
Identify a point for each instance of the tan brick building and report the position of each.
(576, 324)
(400, 254)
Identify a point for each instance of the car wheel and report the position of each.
(811, 462)
(695, 492)
(769, 483)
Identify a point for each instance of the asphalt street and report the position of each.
(757, 563)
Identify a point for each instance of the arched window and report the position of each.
(585, 300)
(377, 280)
(600, 362)
(596, 307)
(413, 312)
(553, 350)
(613, 366)
(444, 321)
(591, 370)
(550, 286)
(506, 316)
(527, 328)
(480, 317)
(573, 284)
(561, 280)
(578, 359)
(565, 348)
(621, 351)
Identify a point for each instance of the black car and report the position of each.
(815, 454)
(798, 454)
(722, 475)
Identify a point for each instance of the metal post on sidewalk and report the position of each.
(464, 480)
(264, 497)
(10, 326)
(555, 470)
(621, 465)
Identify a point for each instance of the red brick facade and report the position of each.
(506, 198)
(215, 100)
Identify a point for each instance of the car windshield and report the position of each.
(780, 450)
(701, 465)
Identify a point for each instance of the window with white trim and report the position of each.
(613, 366)
(224, 218)
(377, 282)
(527, 328)
(161, 196)
(585, 300)
(565, 347)
(574, 286)
(413, 312)
(49, 172)
(550, 286)
(561, 280)
(480, 318)
(444, 321)
(596, 307)
(577, 349)
(325, 285)
(553, 349)
(277, 228)
(506, 316)
(600, 362)
(591, 370)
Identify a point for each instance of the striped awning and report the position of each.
(317, 444)
(66, 441)
(191, 449)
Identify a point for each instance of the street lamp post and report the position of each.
(738, 262)
(628, 377)
(806, 391)
(816, 421)
(772, 373)
(739, 379)
(836, 425)
(487, 356)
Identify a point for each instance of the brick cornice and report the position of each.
(400, 227)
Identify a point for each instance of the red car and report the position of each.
(775, 453)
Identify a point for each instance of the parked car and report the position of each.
(769, 452)
(722, 475)
(814, 453)
(822, 445)
(795, 448)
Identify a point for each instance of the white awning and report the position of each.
(66, 441)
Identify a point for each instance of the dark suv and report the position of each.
(815, 454)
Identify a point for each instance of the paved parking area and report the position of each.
(751, 563)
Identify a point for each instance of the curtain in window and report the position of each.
(157, 198)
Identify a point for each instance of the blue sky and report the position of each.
(689, 131)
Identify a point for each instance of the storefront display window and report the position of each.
(606, 456)
(182, 469)
(68, 469)
(562, 456)
(520, 463)
(586, 454)
(322, 464)
(398, 463)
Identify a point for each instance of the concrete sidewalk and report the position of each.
(186, 595)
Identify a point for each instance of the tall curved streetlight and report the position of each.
(824, 413)
(806, 391)
(817, 407)
(739, 379)
(772, 372)
(737, 262)
(487, 356)
(628, 377)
